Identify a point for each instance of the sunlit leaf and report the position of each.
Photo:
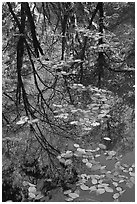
(32, 195)
(129, 184)
(73, 195)
(102, 146)
(121, 180)
(33, 121)
(116, 195)
(67, 192)
(92, 188)
(97, 155)
(76, 145)
(69, 199)
(132, 174)
(130, 169)
(84, 187)
(94, 181)
(68, 162)
(25, 183)
(132, 179)
(103, 185)
(109, 157)
(100, 191)
(109, 189)
(32, 189)
(119, 188)
(112, 153)
(39, 196)
(88, 164)
(81, 150)
(20, 122)
(85, 160)
(107, 138)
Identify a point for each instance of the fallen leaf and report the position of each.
(119, 188)
(67, 192)
(89, 164)
(84, 187)
(94, 181)
(68, 199)
(92, 188)
(32, 189)
(76, 145)
(109, 189)
(85, 160)
(100, 191)
(116, 195)
(73, 195)
(102, 146)
(32, 195)
(107, 138)
(132, 174)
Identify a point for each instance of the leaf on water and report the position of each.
(32, 195)
(102, 146)
(124, 170)
(69, 199)
(92, 188)
(89, 164)
(116, 195)
(84, 187)
(39, 196)
(129, 184)
(109, 189)
(103, 185)
(116, 200)
(81, 150)
(97, 155)
(33, 121)
(67, 192)
(125, 165)
(130, 169)
(102, 167)
(97, 149)
(119, 188)
(74, 122)
(68, 154)
(115, 184)
(132, 174)
(132, 179)
(100, 181)
(87, 128)
(31, 184)
(107, 138)
(20, 122)
(24, 118)
(25, 183)
(76, 145)
(111, 153)
(100, 191)
(94, 181)
(95, 124)
(109, 157)
(73, 195)
(68, 162)
(121, 181)
(32, 189)
(117, 179)
(116, 173)
(85, 160)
